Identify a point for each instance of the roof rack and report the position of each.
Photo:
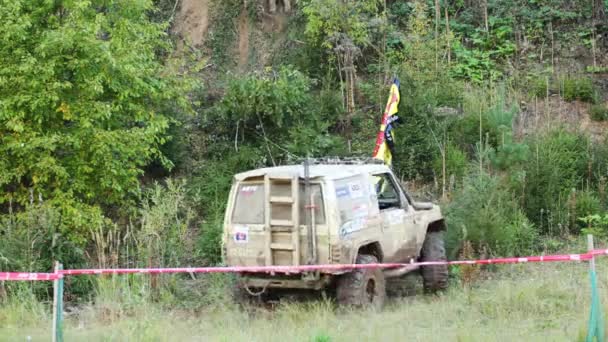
(343, 161)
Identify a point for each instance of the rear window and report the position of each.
(249, 204)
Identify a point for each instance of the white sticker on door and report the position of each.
(356, 190)
(241, 234)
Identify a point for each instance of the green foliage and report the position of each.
(478, 59)
(424, 86)
(399, 13)
(558, 164)
(484, 214)
(83, 95)
(210, 187)
(584, 203)
(329, 18)
(276, 99)
(599, 112)
(456, 163)
(321, 337)
(31, 241)
(596, 69)
(21, 306)
(415, 148)
(579, 88)
(596, 225)
(164, 218)
(571, 88)
(543, 86)
(279, 104)
(492, 126)
(510, 156)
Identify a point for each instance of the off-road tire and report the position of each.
(362, 287)
(434, 278)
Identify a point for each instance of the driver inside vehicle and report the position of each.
(386, 192)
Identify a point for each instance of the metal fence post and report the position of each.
(58, 305)
(595, 330)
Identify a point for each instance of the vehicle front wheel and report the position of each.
(435, 277)
(362, 287)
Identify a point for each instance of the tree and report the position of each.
(84, 104)
(345, 27)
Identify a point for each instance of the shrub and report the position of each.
(595, 224)
(485, 214)
(580, 88)
(165, 216)
(583, 204)
(31, 240)
(496, 125)
(539, 86)
(558, 163)
(455, 163)
(599, 112)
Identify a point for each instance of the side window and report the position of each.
(386, 191)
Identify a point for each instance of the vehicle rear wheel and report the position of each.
(362, 287)
(435, 278)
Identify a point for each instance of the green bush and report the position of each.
(599, 112)
(558, 163)
(80, 124)
(455, 163)
(596, 225)
(496, 123)
(485, 214)
(165, 216)
(540, 85)
(31, 240)
(583, 204)
(579, 88)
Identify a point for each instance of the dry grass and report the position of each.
(533, 302)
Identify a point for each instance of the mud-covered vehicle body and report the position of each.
(339, 212)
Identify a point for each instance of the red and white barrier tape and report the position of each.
(29, 276)
(300, 269)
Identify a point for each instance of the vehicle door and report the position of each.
(399, 233)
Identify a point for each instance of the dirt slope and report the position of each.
(192, 21)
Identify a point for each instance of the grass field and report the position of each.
(530, 302)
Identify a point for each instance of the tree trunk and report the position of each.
(447, 35)
(599, 24)
(599, 12)
(437, 18)
(485, 15)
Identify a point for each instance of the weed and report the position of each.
(599, 112)
(519, 302)
(579, 88)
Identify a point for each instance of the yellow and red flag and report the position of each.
(385, 140)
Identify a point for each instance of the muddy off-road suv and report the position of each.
(330, 212)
